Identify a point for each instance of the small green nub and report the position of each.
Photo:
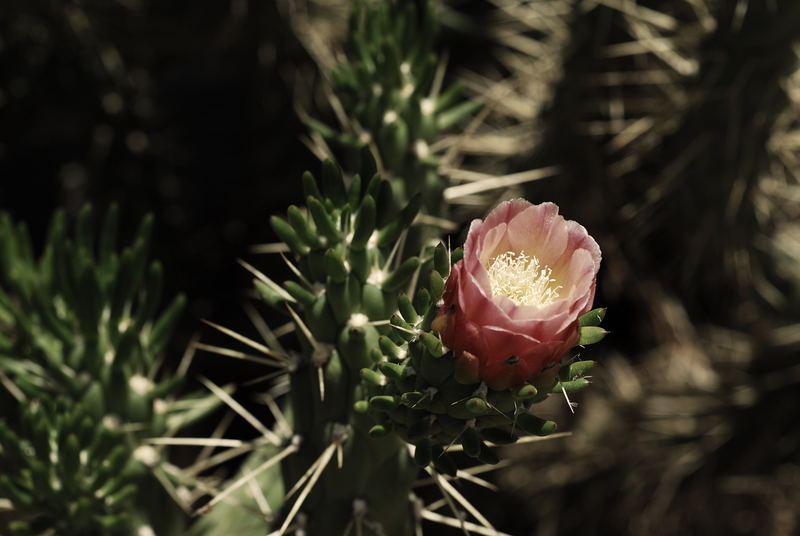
(288, 235)
(373, 377)
(335, 266)
(299, 293)
(591, 335)
(406, 309)
(440, 261)
(524, 392)
(534, 425)
(436, 284)
(392, 370)
(401, 276)
(383, 403)
(477, 406)
(593, 317)
(365, 223)
(432, 344)
(332, 183)
(361, 406)
(573, 386)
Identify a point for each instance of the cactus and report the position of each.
(373, 386)
(80, 343)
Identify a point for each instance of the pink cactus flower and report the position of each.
(511, 305)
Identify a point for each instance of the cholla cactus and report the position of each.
(374, 386)
(391, 102)
(80, 340)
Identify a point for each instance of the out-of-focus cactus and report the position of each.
(391, 103)
(80, 340)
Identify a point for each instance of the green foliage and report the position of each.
(80, 339)
(391, 89)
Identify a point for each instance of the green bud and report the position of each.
(406, 309)
(323, 220)
(593, 317)
(405, 328)
(436, 284)
(524, 392)
(422, 301)
(441, 262)
(365, 223)
(383, 403)
(392, 370)
(373, 377)
(303, 227)
(389, 348)
(335, 266)
(310, 186)
(332, 183)
(477, 406)
(288, 235)
(580, 369)
(573, 386)
(591, 335)
(354, 192)
(534, 425)
(432, 344)
(361, 406)
(401, 276)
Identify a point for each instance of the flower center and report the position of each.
(522, 279)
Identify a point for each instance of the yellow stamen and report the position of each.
(522, 279)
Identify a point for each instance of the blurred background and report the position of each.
(670, 129)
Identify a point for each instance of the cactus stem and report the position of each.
(248, 477)
(316, 470)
